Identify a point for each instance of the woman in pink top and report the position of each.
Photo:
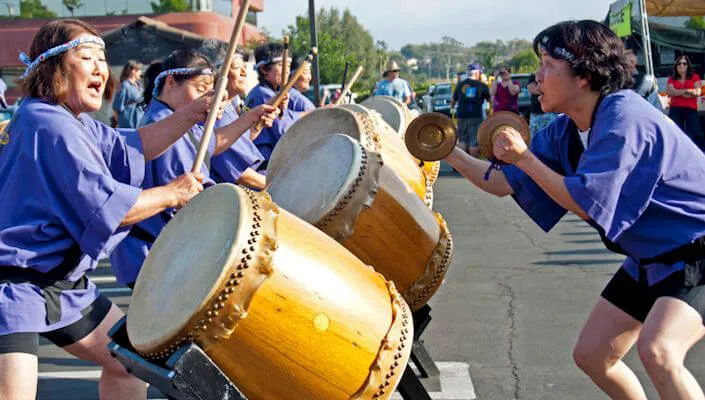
(684, 87)
(505, 92)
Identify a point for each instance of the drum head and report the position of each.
(312, 186)
(186, 265)
(391, 110)
(313, 126)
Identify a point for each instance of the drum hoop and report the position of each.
(340, 222)
(388, 366)
(217, 320)
(421, 291)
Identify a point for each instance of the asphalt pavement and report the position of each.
(505, 320)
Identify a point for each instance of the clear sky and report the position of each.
(399, 22)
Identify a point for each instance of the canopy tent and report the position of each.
(622, 12)
(679, 8)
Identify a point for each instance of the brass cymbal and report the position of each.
(490, 127)
(431, 137)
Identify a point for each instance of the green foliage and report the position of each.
(32, 9)
(696, 22)
(167, 6)
(72, 5)
(525, 62)
(341, 38)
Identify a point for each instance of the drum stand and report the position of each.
(410, 386)
(189, 374)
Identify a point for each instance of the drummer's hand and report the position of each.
(184, 188)
(200, 107)
(265, 113)
(284, 104)
(509, 146)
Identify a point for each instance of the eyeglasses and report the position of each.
(682, 63)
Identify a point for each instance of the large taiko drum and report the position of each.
(349, 193)
(389, 138)
(282, 309)
(392, 110)
(329, 121)
(395, 113)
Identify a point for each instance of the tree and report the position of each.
(341, 39)
(72, 5)
(167, 6)
(696, 22)
(32, 9)
(525, 62)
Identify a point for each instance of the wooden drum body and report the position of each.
(389, 106)
(347, 192)
(281, 308)
(329, 121)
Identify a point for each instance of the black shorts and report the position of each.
(28, 342)
(636, 298)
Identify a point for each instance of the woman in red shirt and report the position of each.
(684, 87)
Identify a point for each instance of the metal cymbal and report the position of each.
(431, 137)
(490, 127)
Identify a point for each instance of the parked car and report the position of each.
(438, 98)
(524, 95)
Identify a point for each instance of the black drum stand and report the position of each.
(189, 374)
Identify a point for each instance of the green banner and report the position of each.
(621, 20)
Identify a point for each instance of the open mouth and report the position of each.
(95, 87)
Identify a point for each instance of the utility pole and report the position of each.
(314, 43)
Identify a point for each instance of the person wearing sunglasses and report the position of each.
(684, 87)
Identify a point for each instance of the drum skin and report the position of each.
(329, 121)
(296, 315)
(393, 110)
(371, 213)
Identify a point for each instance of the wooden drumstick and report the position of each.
(349, 85)
(277, 100)
(285, 66)
(220, 86)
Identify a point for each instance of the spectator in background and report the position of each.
(684, 88)
(413, 105)
(470, 95)
(644, 85)
(299, 103)
(538, 119)
(127, 102)
(505, 92)
(392, 85)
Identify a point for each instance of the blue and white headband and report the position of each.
(55, 51)
(178, 71)
(556, 52)
(268, 61)
(220, 62)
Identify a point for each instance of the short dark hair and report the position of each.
(266, 52)
(688, 72)
(592, 51)
(48, 80)
(182, 58)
